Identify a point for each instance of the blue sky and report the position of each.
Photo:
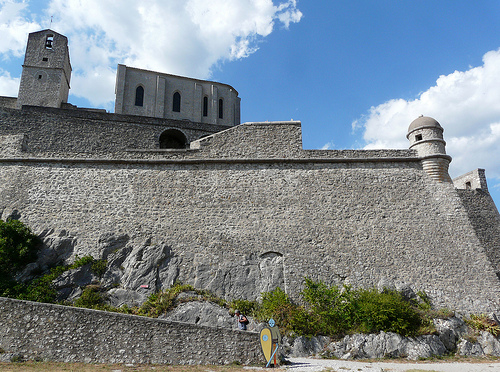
(356, 73)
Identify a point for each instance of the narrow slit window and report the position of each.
(139, 96)
(221, 109)
(468, 186)
(205, 106)
(176, 103)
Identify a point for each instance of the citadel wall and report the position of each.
(67, 334)
(56, 131)
(238, 223)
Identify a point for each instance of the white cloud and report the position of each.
(9, 86)
(14, 27)
(179, 37)
(328, 146)
(466, 105)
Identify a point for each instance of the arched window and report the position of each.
(173, 139)
(221, 108)
(205, 106)
(49, 40)
(139, 96)
(176, 102)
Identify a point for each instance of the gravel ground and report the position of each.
(316, 365)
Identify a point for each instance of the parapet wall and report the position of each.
(68, 334)
(53, 132)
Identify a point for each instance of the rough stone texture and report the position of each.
(467, 348)
(304, 346)
(385, 345)
(486, 344)
(79, 133)
(450, 331)
(57, 333)
(46, 71)
(485, 219)
(245, 213)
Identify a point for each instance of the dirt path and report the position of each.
(316, 365)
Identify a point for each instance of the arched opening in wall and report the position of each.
(272, 273)
(49, 41)
(205, 106)
(176, 102)
(173, 139)
(139, 96)
(221, 108)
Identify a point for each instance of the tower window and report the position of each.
(418, 137)
(221, 108)
(49, 40)
(176, 104)
(39, 77)
(45, 59)
(139, 96)
(468, 186)
(205, 106)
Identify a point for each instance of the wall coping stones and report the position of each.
(207, 160)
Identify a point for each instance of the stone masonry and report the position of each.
(246, 210)
(236, 210)
(39, 331)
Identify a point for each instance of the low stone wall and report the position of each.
(60, 333)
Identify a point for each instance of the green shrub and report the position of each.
(41, 289)
(91, 298)
(99, 267)
(334, 311)
(161, 302)
(332, 307)
(245, 306)
(18, 247)
(386, 311)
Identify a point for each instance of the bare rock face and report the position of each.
(385, 345)
(57, 248)
(304, 346)
(202, 313)
(486, 344)
(450, 331)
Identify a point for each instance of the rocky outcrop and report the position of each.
(453, 336)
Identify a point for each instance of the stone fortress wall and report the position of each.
(237, 210)
(247, 209)
(39, 331)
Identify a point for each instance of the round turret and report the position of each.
(426, 138)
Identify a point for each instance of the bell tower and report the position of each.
(46, 70)
(426, 137)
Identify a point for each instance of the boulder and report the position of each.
(450, 331)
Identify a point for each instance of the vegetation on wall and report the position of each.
(18, 248)
(334, 311)
(322, 309)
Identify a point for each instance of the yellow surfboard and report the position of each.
(266, 343)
